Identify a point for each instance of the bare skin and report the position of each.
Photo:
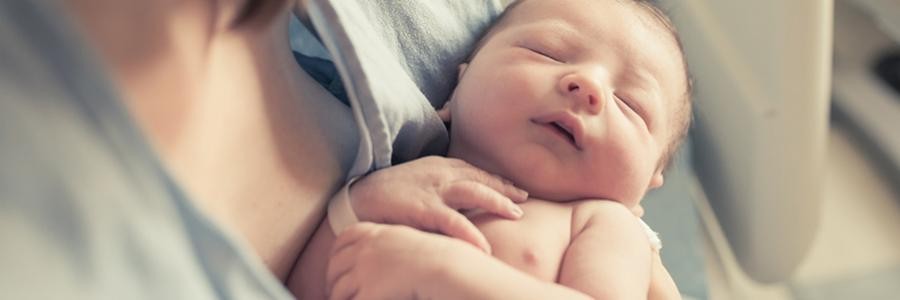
(219, 103)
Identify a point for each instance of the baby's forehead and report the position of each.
(629, 26)
(637, 35)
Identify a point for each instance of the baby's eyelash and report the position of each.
(636, 109)
(545, 54)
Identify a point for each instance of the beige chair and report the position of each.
(762, 72)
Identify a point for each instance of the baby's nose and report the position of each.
(584, 91)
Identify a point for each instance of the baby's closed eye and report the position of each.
(552, 47)
(635, 107)
(545, 53)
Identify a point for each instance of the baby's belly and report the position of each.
(535, 244)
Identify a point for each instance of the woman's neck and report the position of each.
(160, 54)
(224, 108)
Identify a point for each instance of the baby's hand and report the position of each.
(428, 193)
(374, 261)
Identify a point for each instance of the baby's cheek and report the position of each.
(619, 174)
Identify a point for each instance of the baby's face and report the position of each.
(571, 100)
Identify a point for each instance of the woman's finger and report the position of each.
(495, 182)
(467, 194)
(454, 224)
(339, 265)
(343, 252)
(352, 235)
(345, 288)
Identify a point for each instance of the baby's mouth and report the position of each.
(565, 125)
(562, 131)
(565, 132)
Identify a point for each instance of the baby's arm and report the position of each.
(610, 256)
(662, 287)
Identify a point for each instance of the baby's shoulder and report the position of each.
(589, 212)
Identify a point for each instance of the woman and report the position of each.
(137, 136)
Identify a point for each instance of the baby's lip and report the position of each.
(566, 121)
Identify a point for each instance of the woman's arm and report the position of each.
(375, 261)
(397, 262)
(478, 276)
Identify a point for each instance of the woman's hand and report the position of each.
(374, 261)
(428, 193)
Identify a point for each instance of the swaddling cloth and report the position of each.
(341, 215)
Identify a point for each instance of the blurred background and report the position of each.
(854, 252)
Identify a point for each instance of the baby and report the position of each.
(581, 103)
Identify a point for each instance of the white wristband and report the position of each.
(340, 211)
(655, 242)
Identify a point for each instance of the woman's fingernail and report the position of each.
(523, 194)
(516, 211)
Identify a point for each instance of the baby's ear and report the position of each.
(444, 112)
(462, 69)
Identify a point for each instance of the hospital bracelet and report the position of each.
(655, 242)
(340, 211)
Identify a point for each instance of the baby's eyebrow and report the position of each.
(560, 30)
(642, 78)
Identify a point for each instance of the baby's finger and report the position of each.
(495, 182)
(453, 224)
(470, 194)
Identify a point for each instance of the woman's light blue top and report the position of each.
(86, 210)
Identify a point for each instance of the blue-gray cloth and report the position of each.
(398, 60)
(86, 210)
(324, 72)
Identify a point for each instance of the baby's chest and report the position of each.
(534, 244)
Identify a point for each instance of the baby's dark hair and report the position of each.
(682, 112)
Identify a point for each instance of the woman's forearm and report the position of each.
(479, 276)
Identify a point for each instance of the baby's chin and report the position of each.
(543, 177)
(556, 192)
(555, 188)
(550, 187)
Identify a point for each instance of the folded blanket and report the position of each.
(397, 62)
